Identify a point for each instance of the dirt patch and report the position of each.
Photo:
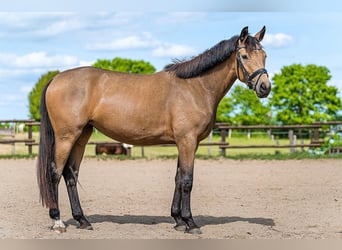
(230, 199)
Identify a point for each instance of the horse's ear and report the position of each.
(243, 34)
(260, 35)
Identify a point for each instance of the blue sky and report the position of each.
(34, 42)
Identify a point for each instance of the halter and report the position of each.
(248, 76)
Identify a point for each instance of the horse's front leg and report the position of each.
(184, 181)
(187, 180)
(176, 203)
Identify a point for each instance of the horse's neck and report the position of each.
(220, 79)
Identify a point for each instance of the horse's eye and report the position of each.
(244, 57)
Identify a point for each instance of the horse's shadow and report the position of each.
(201, 220)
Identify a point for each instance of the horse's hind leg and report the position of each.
(70, 174)
(62, 152)
(54, 213)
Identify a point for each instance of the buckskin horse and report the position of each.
(176, 105)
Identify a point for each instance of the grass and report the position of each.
(244, 156)
(170, 152)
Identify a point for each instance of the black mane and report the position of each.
(208, 59)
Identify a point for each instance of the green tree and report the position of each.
(224, 110)
(249, 108)
(243, 107)
(36, 92)
(300, 95)
(125, 65)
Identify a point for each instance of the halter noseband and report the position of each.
(248, 76)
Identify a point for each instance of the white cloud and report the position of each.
(144, 41)
(25, 19)
(36, 60)
(278, 40)
(38, 24)
(86, 63)
(173, 50)
(59, 27)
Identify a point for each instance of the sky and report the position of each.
(37, 39)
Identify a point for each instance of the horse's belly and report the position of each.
(136, 133)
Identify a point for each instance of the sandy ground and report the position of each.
(230, 200)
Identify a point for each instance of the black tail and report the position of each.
(46, 157)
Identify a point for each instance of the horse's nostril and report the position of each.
(263, 87)
(263, 90)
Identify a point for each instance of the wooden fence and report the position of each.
(294, 134)
(7, 134)
(292, 130)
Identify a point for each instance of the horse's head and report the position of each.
(250, 66)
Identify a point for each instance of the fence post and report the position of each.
(13, 137)
(301, 138)
(142, 151)
(223, 140)
(30, 137)
(292, 141)
(210, 140)
(316, 134)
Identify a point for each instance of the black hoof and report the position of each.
(85, 225)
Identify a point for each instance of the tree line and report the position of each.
(300, 95)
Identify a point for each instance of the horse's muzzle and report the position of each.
(263, 88)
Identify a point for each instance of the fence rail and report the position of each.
(7, 135)
(316, 141)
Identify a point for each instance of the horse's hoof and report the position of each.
(86, 227)
(180, 228)
(59, 227)
(59, 230)
(194, 231)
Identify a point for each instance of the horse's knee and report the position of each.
(187, 183)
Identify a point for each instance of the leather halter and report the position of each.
(248, 76)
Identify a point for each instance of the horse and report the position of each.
(110, 149)
(176, 105)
